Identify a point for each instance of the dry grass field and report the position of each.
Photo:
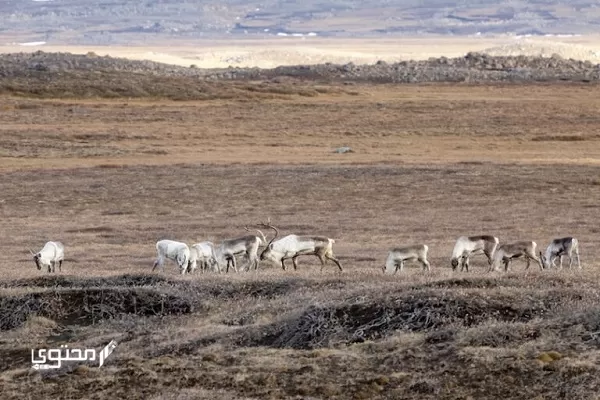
(430, 163)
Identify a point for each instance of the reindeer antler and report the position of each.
(269, 225)
(262, 235)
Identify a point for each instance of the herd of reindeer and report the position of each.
(214, 258)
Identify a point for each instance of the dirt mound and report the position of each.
(88, 306)
(555, 281)
(73, 300)
(65, 281)
(467, 283)
(424, 311)
(256, 289)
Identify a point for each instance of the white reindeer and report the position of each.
(51, 253)
(559, 248)
(509, 251)
(203, 253)
(469, 245)
(397, 257)
(246, 246)
(293, 246)
(175, 251)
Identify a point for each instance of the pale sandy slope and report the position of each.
(272, 52)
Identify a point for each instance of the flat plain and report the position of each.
(429, 163)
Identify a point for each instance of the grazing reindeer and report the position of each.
(175, 251)
(51, 253)
(397, 256)
(508, 252)
(559, 248)
(245, 245)
(293, 246)
(203, 253)
(468, 245)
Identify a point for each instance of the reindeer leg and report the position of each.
(322, 259)
(156, 264)
(489, 257)
(577, 254)
(427, 266)
(465, 263)
(228, 259)
(335, 260)
(536, 259)
(248, 261)
(60, 265)
(539, 263)
(294, 262)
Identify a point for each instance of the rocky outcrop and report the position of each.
(472, 68)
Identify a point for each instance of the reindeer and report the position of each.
(559, 248)
(293, 246)
(51, 253)
(468, 245)
(204, 253)
(397, 256)
(175, 251)
(246, 245)
(508, 252)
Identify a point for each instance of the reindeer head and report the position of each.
(38, 264)
(454, 263)
(390, 264)
(544, 262)
(36, 259)
(266, 253)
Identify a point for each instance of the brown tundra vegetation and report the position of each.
(108, 177)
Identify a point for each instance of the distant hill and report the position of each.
(121, 22)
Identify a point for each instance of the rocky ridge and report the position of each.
(472, 68)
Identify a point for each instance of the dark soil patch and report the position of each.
(89, 306)
(65, 281)
(426, 311)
